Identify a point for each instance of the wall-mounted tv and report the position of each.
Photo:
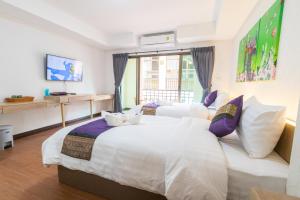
(63, 69)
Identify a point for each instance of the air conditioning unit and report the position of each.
(166, 39)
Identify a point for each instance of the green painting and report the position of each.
(258, 50)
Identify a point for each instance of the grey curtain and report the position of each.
(203, 59)
(119, 64)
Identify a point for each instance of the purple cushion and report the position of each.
(151, 105)
(227, 117)
(210, 98)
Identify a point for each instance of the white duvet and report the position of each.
(178, 158)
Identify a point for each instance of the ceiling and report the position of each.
(118, 23)
(138, 16)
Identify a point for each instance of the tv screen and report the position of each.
(63, 69)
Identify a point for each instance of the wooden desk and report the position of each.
(14, 107)
(54, 100)
(259, 194)
(67, 99)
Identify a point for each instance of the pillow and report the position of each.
(152, 105)
(221, 100)
(210, 98)
(249, 101)
(164, 103)
(260, 128)
(227, 118)
(199, 111)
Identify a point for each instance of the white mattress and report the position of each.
(244, 172)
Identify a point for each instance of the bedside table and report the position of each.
(259, 194)
(6, 138)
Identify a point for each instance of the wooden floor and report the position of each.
(23, 177)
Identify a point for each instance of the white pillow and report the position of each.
(221, 100)
(164, 103)
(249, 101)
(199, 111)
(260, 127)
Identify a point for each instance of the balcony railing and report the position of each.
(167, 95)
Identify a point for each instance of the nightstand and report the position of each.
(259, 194)
(6, 138)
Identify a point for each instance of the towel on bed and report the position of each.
(80, 141)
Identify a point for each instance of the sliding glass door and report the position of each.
(170, 78)
(167, 78)
(190, 90)
(159, 78)
(129, 84)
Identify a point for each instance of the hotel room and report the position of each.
(149, 100)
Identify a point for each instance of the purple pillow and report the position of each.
(210, 98)
(227, 118)
(151, 105)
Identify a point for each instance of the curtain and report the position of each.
(119, 65)
(203, 60)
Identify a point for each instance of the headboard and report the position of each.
(285, 143)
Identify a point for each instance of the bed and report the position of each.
(151, 157)
(184, 110)
(148, 161)
(187, 109)
(244, 172)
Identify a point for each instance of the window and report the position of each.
(160, 78)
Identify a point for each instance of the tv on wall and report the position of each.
(63, 69)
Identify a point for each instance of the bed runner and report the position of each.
(80, 141)
(150, 108)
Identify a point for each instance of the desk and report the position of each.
(67, 99)
(14, 107)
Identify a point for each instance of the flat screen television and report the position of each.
(63, 69)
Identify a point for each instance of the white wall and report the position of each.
(223, 51)
(22, 71)
(285, 90)
(293, 183)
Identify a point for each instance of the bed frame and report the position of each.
(103, 187)
(115, 191)
(285, 143)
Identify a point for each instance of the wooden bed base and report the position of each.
(103, 187)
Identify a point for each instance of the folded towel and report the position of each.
(120, 119)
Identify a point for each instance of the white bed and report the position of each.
(179, 110)
(177, 158)
(192, 109)
(244, 172)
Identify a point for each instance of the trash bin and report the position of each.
(6, 137)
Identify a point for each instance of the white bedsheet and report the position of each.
(269, 173)
(178, 158)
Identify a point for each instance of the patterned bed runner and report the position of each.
(150, 109)
(80, 141)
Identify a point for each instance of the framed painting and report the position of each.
(258, 50)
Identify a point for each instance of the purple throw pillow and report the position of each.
(151, 105)
(210, 98)
(227, 118)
